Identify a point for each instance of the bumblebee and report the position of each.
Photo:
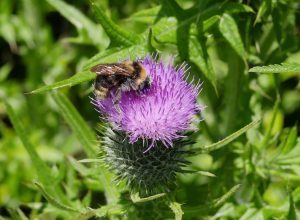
(123, 76)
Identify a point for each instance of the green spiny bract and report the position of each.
(146, 173)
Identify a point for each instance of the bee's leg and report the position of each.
(138, 92)
(116, 100)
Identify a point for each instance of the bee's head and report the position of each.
(145, 84)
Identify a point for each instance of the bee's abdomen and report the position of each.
(101, 92)
(102, 85)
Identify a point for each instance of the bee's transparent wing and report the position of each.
(111, 69)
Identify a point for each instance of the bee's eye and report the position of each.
(146, 83)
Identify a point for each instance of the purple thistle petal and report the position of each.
(162, 112)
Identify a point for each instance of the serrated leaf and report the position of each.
(117, 35)
(52, 200)
(199, 56)
(230, 32)
(277, 68)
(86, 215)
(84, 25)
(73, 80)
(114, 209)
(83, 132)
(226, 140)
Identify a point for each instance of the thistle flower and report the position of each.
(160, 113)
(145, 140)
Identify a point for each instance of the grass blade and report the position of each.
(42, 169)
(88, 140)
(83, 132)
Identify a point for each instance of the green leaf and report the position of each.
(86, 215)
(84, 25)
(87, 138)
(76, 79)
(4, 71)
(42, 169)
(117, 35)
(230, 32)
(277, 68)
(199, 56)
(232, 92)
(264, 8)
(137, 199)
(208, 23)
(235, 7)
(52, 200)
(92, 160)
(15, 214)
(291, 141)
(176, 208)
(292, 215)
(108, 56)
(145, 16)
(151, 48)
(226, 140)
(83, 132)
(83, 170)
(109, 210)
(225, 197)
(116, 54)
(164, 31)
(206, 173)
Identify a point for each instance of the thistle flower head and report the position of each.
(160, 113)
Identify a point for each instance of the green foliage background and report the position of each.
(246, 53)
